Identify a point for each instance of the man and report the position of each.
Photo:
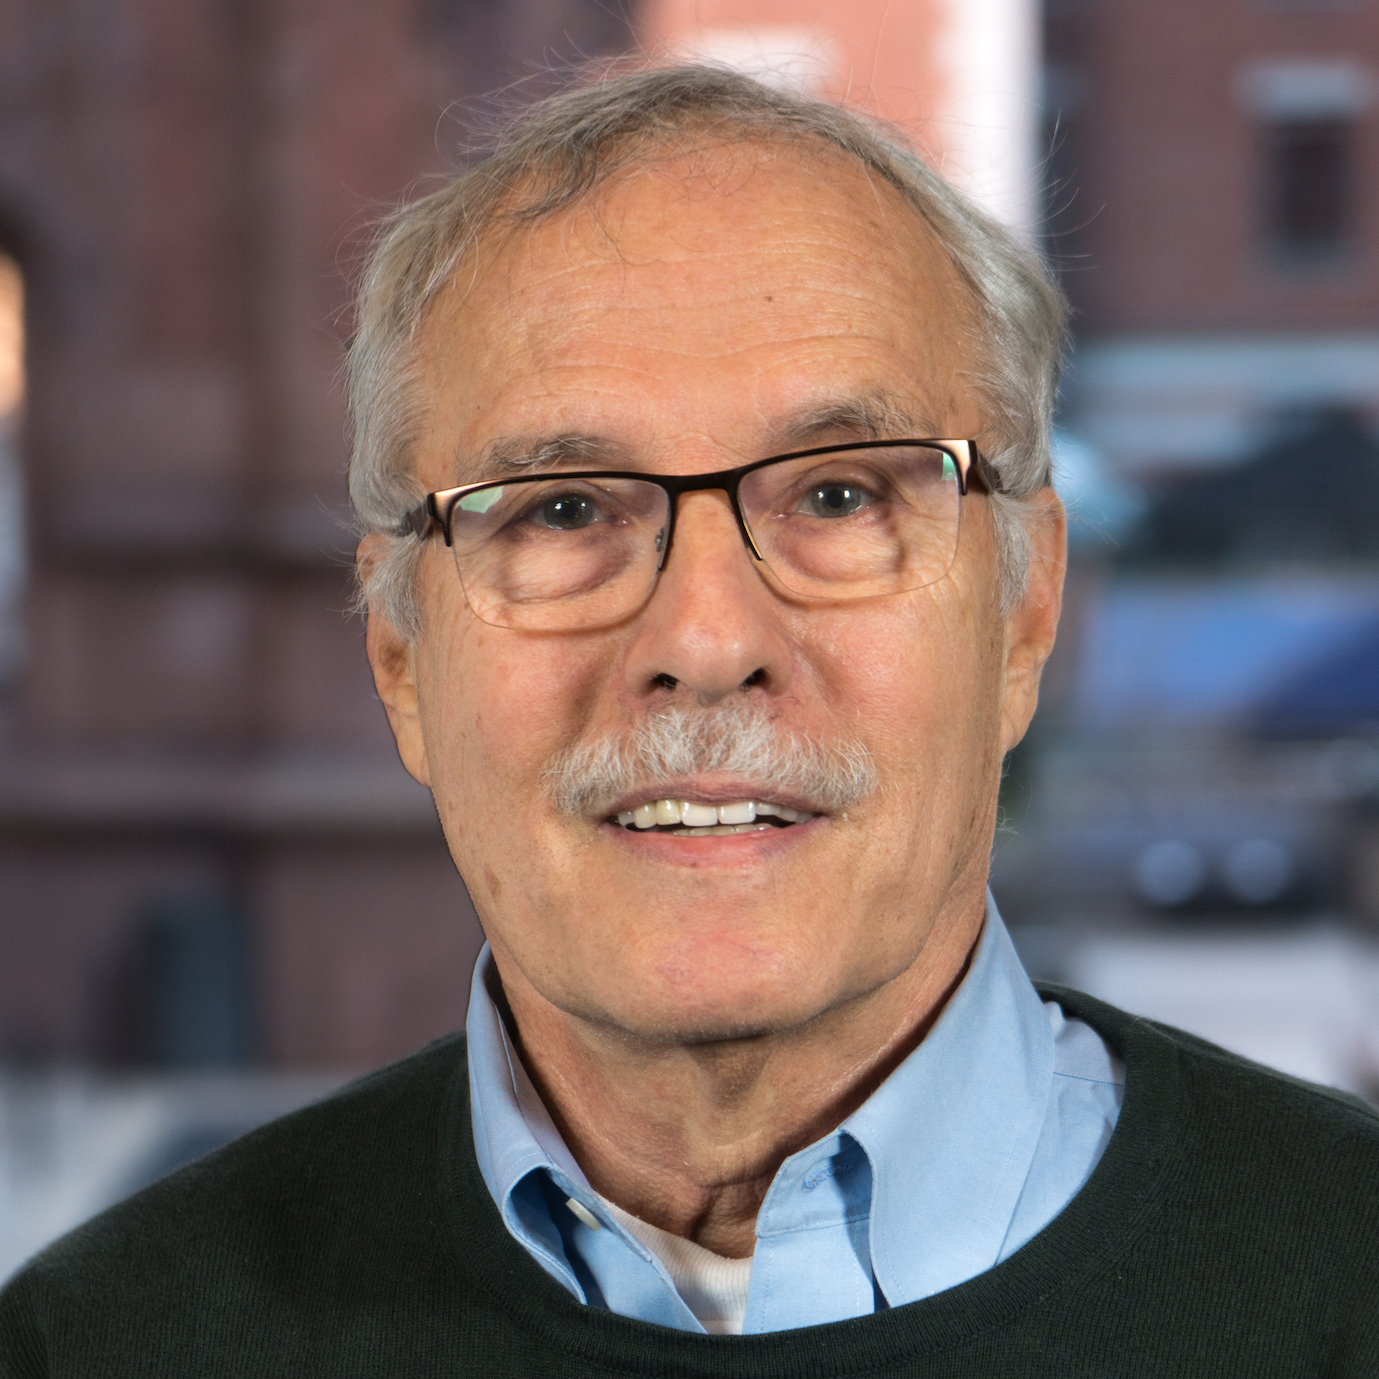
(711, 565)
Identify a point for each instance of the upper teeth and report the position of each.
(669, 813)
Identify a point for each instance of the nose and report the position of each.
(713, 627)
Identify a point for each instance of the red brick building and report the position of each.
(208, 850)
(207, 847)
(1214, 190)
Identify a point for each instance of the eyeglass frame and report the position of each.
(436, 510)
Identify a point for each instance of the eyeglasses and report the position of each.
(581, 549)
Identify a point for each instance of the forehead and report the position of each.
(714, 291)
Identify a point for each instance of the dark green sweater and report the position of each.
(1232, 1228)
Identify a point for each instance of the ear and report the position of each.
(393, 660)
(1030, 628)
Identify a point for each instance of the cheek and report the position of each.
(919, 677)
(497, 704)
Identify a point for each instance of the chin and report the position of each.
(708, 1013)
(687, 1029)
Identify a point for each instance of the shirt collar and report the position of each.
(950, 1135)
(513, 1132)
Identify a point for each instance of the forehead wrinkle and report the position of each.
(634, 237)
(536, 286)
(536, 289)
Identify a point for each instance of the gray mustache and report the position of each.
(735, 738)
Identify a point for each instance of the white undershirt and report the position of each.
(713, 1286)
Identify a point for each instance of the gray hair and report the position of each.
(737, 736)
(560, 150)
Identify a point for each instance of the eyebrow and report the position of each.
(874, 415)
(511, 455)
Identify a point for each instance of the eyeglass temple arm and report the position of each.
(418, 521)
(987, 477)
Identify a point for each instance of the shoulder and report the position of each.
(306, 1198)
(1238, 1121)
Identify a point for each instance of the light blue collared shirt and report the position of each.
(967, 1150)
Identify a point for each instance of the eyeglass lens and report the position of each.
(567, 553)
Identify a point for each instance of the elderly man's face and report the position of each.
(687, 321)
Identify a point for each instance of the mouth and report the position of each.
(688, 819)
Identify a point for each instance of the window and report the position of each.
(1309, 167)
(1309, 112)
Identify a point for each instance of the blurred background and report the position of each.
(221, 895)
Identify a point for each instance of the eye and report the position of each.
(565, 512)
(836, 499)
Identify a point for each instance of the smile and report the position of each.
(684, 819)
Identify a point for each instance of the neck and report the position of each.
(690, 1136)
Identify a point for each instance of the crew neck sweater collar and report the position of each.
(1143, 1171)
